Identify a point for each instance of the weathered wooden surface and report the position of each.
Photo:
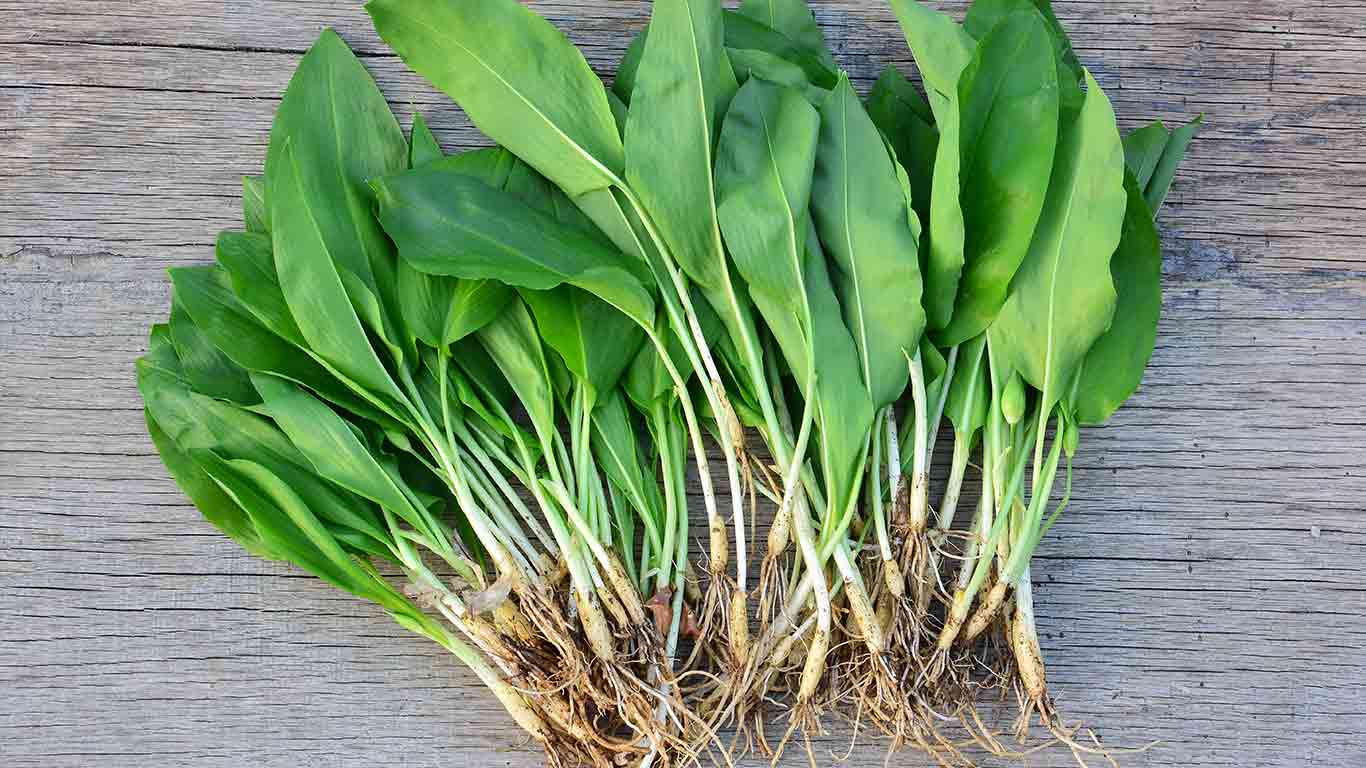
(1207, 586)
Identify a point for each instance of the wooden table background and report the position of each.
(1205, 587)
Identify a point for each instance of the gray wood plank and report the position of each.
(1205, 587)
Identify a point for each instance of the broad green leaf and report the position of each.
(647, 380)
(337, 127)
(942, 50)
(904, 117)
(844, 417)
(970, 390)
(312, 286)
(1008, 105)
(1114, 365)
(764, 169)
(286, 522)
(512, 343)
(595, 341)
(861, 213)
(681, 93)
(1165, 172)
(983, 15)
(215, 505)
(799, 44)
(250, 264)
(332, 448)
(206, 367)
(793, 19)
(255, 211)
(423, 147)
(1063, 297)
(1143, 149)
(625, 83)
(447, 223)
(161, 352)
(751, 63)
(618, 453)
(518, 78)
(252, 344)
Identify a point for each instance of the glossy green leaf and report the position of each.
(251, 343)
(447, 223)
(750, 63)
(512, 343)
(860, 210)
(312, 286)
(595, 341)
(216, 506)
(255, 211)
(423, 147)
(745, 32)
(1114, 365)
(207, 368)
(1143, 149)
(942, 49)
(792, 19)
(518, 78)
(1008, 107)
(983, 15)
(904, 117)
(339, 132)
(681, 93)
(844, 418)
(1063, 297)
(1165, 172)
(764, 168)
(625, 82)
(618, 453)
(332, 447)
(287, 523)
(970, 390)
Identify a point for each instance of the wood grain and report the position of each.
(1207, 587)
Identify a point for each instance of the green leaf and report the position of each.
(512, 343)
(904, 117)
(1172, 156)
(255, 211)
(1063, 297)
(332, 448)
(1115, 363)
(845, 408)
(618, 453)
(861, 213)
(983, 15)
(681, 93)
(970, 390)
(518, 78)
(245, 336)
(207, 368)
(312, 286)
(942, 50)
(750, 63)
(744, 32)
(792, 19)
(764, 169)
(338, 129)
(1008, 105)
(625, 83)
(289, 526)
(448, 223)
(1143, 149)
(423, 147)
(595, 341)
(215, 505)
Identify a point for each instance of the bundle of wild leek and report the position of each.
(467, 388)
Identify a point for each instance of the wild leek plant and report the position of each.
(471, 388)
